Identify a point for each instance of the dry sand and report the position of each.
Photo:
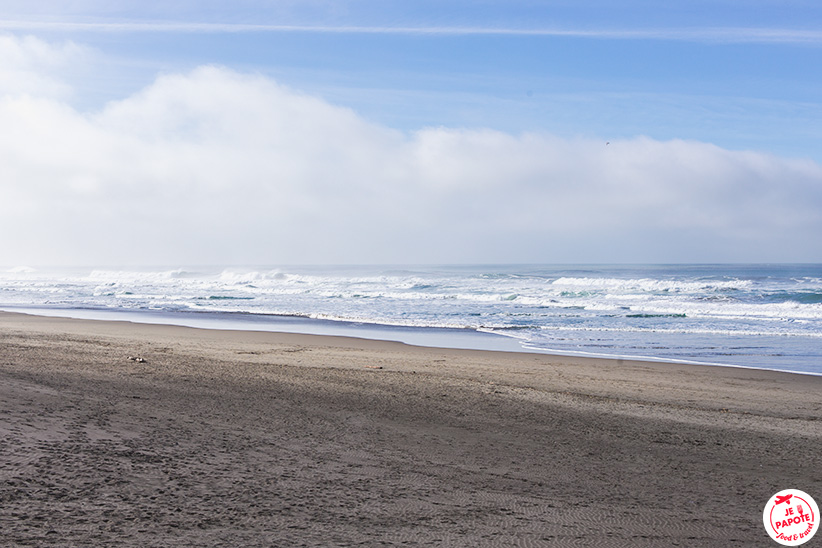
(226, 438)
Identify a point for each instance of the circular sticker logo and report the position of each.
(791, 517)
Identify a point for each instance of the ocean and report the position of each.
(764, 316)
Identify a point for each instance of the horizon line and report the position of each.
(687, 34)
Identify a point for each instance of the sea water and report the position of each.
(767, 316)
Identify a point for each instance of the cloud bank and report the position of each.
(216, 167)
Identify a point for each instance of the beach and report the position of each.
(156, 435)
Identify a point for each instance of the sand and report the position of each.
(232, 438)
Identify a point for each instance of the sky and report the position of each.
(404, 132)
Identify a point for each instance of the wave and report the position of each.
(780, 311)
(682, 331)
(635, 297)
(254, 276)
(796, 297)
(649, 285)
(131, 276)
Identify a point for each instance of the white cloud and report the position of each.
(32, 66)
(698, 34)
(213, 166)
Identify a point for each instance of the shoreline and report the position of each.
(240, 437)
(400, 350)
(422, 336)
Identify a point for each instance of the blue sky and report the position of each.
(708, 71)
(729, 90)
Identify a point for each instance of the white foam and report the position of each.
(651, 285)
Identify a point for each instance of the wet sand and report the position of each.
(235, 438)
